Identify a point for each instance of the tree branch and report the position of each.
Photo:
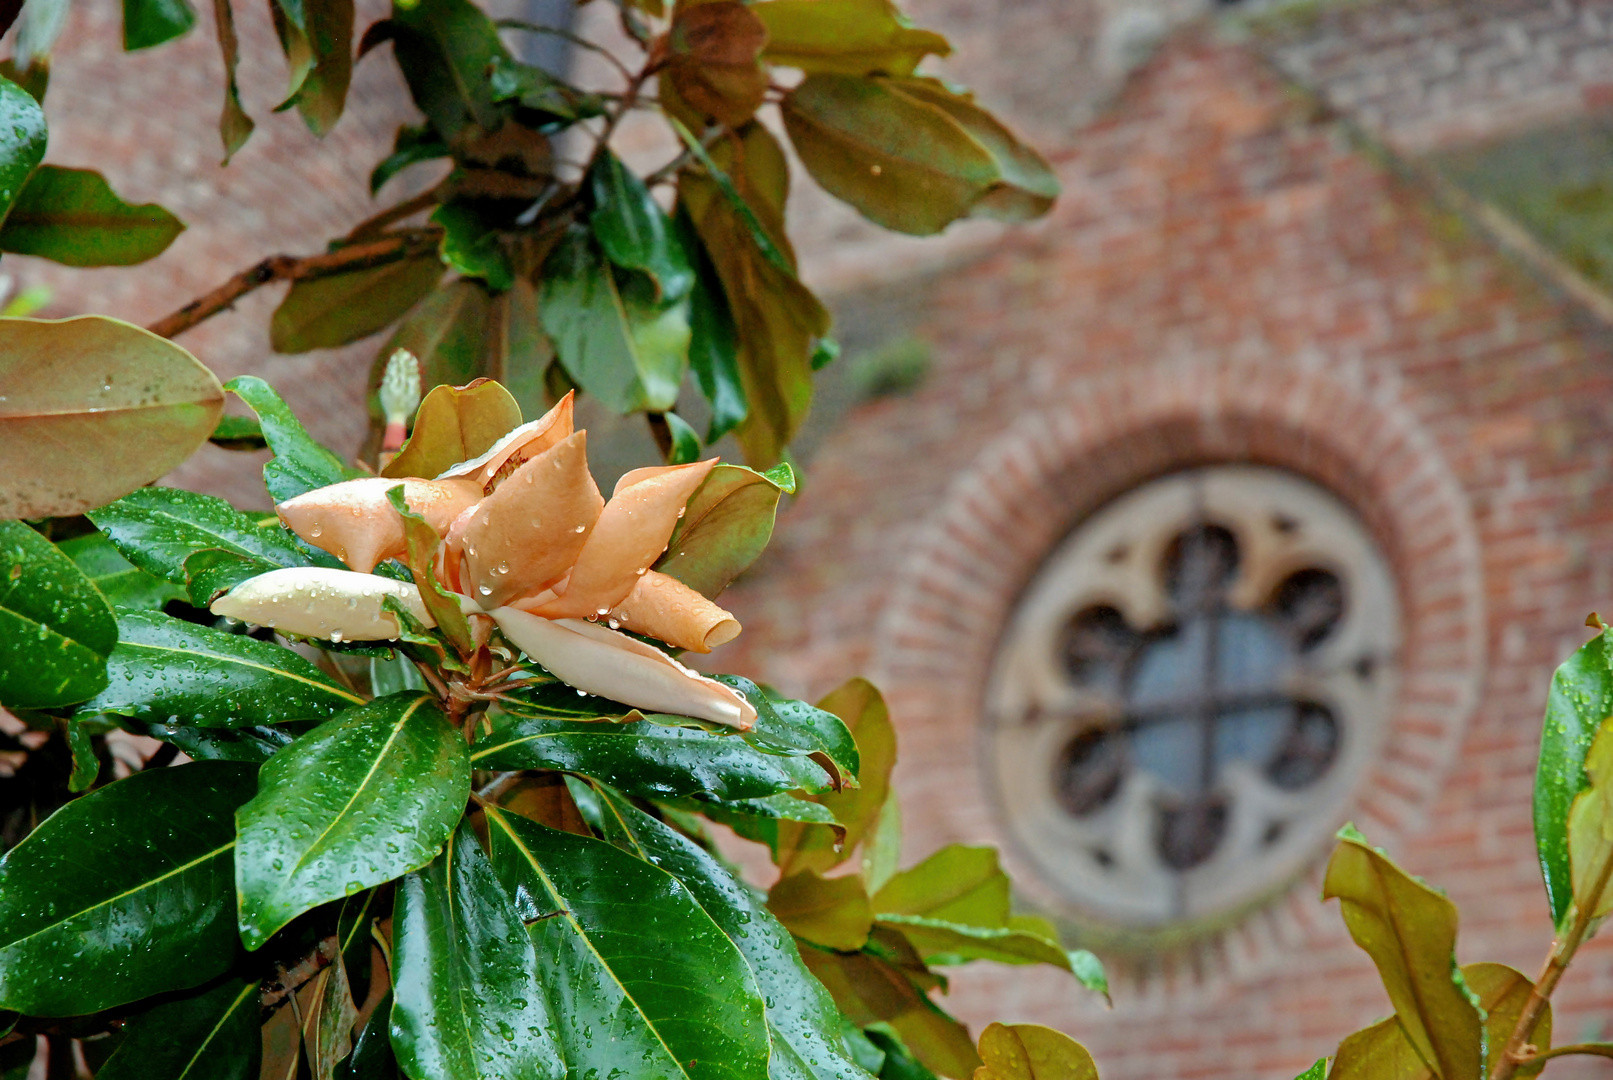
(379, 252)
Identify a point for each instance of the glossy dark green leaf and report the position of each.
(725, 526)
(763, 819)
(212, 1035)
(366, 796)
(899, 1062)
(713, 350)
(846, 37)
(372, 1057)
(1317, 1071)
(56, 629)
(1409, 930)
(22, 141)
(467, 1003)
(1581, 697)
(122, 893)
(166, 669)
(72, 216)
(324, 313)
(211, 572)
(684, 444)
(80, 744)
(234, 125)
(157, 529)
(614, 338)
(445, 49)
(794, 727)
(536, 89)
(675, 994)
(471, 247)
(648, 758)
(634, 231)
(299, 464)
(803, 1024)
(857, 810)
(411, 146)
(253, 745)
(94, 408)
(238, 433)
(152, 22)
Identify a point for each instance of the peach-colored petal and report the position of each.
(314, 601)
(613, 665)
(355, 522)
(518, 447)
(529, 531)
(631, 534)
(664, 607)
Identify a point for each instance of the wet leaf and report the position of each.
(212, 572)
(1032, 1052)
(468, 1004)
(253, 745)
(22, 143)
(421, 557)
(77, 387)
(899, 1062)
(831, 912)
(86, 766)
(234, 125)
(1590, 832)
(238, 433)
(372, 1057)
(157, 529)
(455, 424)
(633, 231)
(1317, 1071)
(613, 337)
(212, 1035)
(674, 993)
(152, 22)
(299, 464)
(324, 313)
(122, 893)
(370, 794)
(861, 708)
(725, 526)
(167, 669)
(328, 1015)
(712, 63)
(72, 216)
(1581, 698)
(56, 629)
(802, 1020)
(1409, 930)
(794, 727)
(647, 758)
(845, 37)
(760, 819)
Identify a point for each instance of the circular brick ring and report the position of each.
(1343, 428)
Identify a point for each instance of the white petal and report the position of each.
(313, 601)
(613, 665)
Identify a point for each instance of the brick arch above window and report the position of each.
(1343, 429)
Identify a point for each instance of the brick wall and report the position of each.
(1229, 278)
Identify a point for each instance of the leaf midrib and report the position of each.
(250, 988)
(327, 687)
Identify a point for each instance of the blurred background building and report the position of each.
(1258, 488)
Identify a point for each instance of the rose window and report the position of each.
(1188, 694)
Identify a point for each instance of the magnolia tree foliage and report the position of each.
(434, 786)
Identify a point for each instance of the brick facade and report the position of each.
(1229, 278)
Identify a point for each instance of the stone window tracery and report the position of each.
(1189, 692)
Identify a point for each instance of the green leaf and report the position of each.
(238, 433)
(299, 464)
(253, 746)
(410, 146)
(762, 819)
(423, 546)
(674, 993)
(942, 942)
(1032, 1052)
(830, 912)
(725, 527)
(1409, 930)
(157, 529)
(72, 216)
(1317, 1071)
(899, 1063)
(468, 1004)
(152, 22)
(212, 1035)
(370, 794)
(372, 1057)
(234, 125)
(536, 89)
(614, 338)
(211, 572)
(56, 630)
(713, 351)
(328, 312)
(394, 676)
(845, 37)
(794, 727)
(647, 758)
(78, 388)
(802, 1020)
(445, 49)
(634, 231)
(22, 141)
(958, 884)
(455, 424)
(856, 810)
(471, 247)
(1581, 698)
(319, 52)
(168, 669)
(1590, 833)
(122, 893)
(684, 444)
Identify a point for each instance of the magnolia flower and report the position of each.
(528, 542)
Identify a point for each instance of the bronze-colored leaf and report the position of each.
(712, 63)
(812, 847)
(1032, 1052)
(1590, 830)
(831, 912)
(1409, 930)
(455, 424)
(325, 313)
(93, 408)
(845, 37)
